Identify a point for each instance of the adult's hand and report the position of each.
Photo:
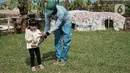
(45, 35)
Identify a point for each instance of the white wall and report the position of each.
(86, 20)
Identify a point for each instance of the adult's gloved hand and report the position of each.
(45, 35)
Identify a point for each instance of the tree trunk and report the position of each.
(29, 5)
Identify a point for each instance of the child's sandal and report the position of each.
(41, 67)
(33, 69)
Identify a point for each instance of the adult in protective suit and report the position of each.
(62, 30)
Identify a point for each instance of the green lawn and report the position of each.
(90, 52)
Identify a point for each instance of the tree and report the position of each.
(38, 5)
(127, 9)
(77, 4)
(10, 4)
(23, 7)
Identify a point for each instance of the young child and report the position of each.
(33, 38)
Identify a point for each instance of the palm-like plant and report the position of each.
(23, 7)
(37, 5)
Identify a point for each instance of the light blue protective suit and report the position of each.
(62, 31)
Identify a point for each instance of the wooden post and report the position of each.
(8, 24)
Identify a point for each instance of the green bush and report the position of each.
(80, 5)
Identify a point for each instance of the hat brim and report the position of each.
(49, 11)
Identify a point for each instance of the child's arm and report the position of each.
(37, 37)
(28, 36)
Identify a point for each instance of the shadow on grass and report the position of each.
(28, 61)
(45, 57)
(48, 56)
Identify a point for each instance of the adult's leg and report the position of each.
(67, 35)
(58, 43)
(31, 51)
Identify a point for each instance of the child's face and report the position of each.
(32, 28)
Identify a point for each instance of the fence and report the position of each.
(6, 27)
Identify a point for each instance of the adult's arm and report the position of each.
(47, 23)
(57, 23)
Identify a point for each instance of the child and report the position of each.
(33, 38)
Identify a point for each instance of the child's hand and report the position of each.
(44, 36)
(34, 42)
(28, 27)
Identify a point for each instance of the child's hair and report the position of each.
(31, 16)
(32, 22)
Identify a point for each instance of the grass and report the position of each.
(90, 52)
